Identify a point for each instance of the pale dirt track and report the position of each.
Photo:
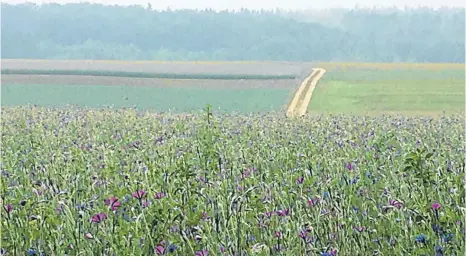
(300, 102)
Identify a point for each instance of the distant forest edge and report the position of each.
(98, 32)
(145, 74)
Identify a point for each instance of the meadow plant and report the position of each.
(81, 181)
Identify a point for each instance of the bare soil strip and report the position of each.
(234, 68)
(300, 102)
(81, 80)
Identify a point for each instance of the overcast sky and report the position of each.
(266, 4)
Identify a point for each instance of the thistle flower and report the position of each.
(360, 228)
(436, 206)
(159, 195)
(302, 234)
(284, 212)
(349, 166)
(139, 194)
(159, 250)
(202, 253)
(8, 208)
(113, 203)
(312, 202)
(98, 218)
(222, 249)
(300, 180)
(145, 203)
(396, 204)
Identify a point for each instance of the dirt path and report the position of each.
(300, 102)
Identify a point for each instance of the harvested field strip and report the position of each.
(143, 74)
(298, 105)
(236, 68)
(70, 80)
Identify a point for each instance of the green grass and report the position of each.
(144, 74)
(150, 98)
(378, 91)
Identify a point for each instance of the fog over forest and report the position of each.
(92, 31)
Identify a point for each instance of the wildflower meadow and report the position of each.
(78, 181)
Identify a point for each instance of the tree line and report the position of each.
(92, 31)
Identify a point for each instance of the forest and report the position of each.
(92, 31)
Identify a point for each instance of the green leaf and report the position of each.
(429, 155)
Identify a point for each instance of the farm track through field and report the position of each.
(300, 102)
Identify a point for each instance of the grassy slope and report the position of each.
(359, 90)
(160, 99)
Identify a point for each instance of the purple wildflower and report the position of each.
(302, 234)
(8, 208)
(202, 253)
(113, 203)
(138, 194)
(159, 250)
(436, 206)
(360, 228)
(159, 195)
(396, 204)
(145, 203)
(99, 218)
(284, 212)
(222, 249)
(349, 166)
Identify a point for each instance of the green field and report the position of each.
(362, 91)
(149, 98)
(127, 74)
(352, 89)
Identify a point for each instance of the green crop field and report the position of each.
(356, 90)
(148, 98)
